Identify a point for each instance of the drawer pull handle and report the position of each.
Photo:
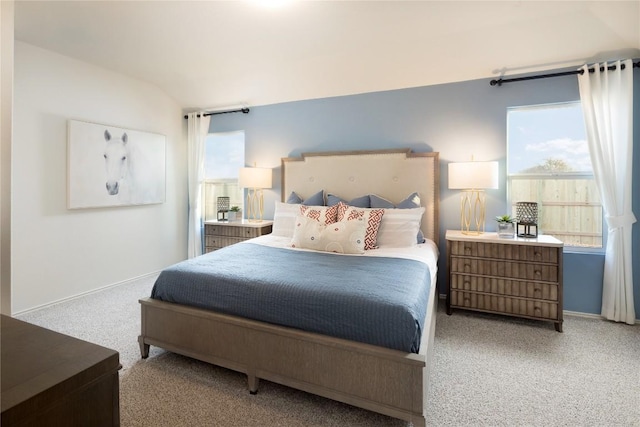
(538, 273)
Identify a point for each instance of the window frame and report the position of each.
(510, 177)
(221, 181)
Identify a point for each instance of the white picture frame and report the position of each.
(112, 166)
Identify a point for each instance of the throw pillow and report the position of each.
(372, 217)
(410, 202)
(284, 219)
(359, 202)
(345, 237)
(322, 214)
(399, 227)
(315, 200)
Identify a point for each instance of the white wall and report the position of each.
(59, 253)
(6, 106)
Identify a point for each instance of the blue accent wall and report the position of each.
(457, 119)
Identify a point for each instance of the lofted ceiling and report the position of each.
(213, 54)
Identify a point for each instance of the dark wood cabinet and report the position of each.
(51, 379)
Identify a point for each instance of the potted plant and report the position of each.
(234, 213)
(506, 227)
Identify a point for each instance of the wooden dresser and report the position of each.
(516, 277)
(220, 234)
(51, 379)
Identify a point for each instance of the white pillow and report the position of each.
(343, 237)
(399, 227)
(284, 218)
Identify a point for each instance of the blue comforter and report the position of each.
(379, 301)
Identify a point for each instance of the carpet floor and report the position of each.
(488, 371)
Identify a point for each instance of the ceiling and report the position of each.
(214, 54)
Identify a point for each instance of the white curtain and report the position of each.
(607, 102)
(197, 130)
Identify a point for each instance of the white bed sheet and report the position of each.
(425, 252)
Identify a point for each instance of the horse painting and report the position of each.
(117, 158)
(129, 175)
(112, 166)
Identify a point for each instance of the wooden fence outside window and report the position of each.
(212, 189)
(569, 209)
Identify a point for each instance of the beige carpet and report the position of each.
(172, 390)
(488, 371)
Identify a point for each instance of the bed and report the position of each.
(359, 371)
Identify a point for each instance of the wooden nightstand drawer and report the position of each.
(500, 304)
(213, 229)
(511, 269)
(217, 242)
(516, 288)
(228, 231)
(221, 234)
(506, 252)
(249, 233)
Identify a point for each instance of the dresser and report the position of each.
(516, 277)
(218, 234)
(51, 379)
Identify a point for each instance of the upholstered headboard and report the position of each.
(392, 174)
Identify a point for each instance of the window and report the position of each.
(548, 162)
(224, 156)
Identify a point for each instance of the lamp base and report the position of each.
(255, 205)
(472, 212)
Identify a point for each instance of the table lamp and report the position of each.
(255, 180)
(472, 178)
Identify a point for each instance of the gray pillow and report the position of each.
(294, 199)
(315, 200)
(358, 202)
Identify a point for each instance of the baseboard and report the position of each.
(580, 314)
(593, 316)
(93, 291)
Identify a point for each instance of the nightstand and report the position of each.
(218, 234)
(516, 277)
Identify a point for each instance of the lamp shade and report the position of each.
(254, 178)
(473, 175)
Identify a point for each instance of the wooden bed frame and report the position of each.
(386, 381)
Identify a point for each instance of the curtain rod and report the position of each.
(213, 113)
(500, 81)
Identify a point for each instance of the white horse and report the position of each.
(117, 158)
(130, 175)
